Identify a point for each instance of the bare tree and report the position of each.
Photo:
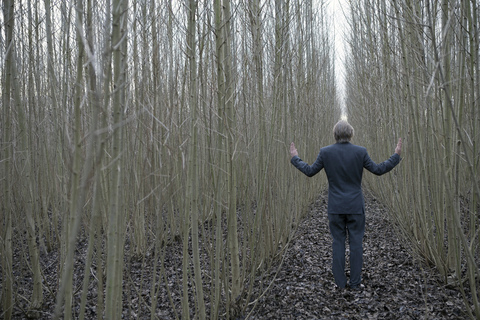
(409, 78)
(146, 151)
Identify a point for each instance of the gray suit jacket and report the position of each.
(344, 163)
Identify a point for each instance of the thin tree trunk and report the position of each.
(192, 179)
(6, 212)
(113, 299)
(65, 293)
(237, 283)
(24, 161)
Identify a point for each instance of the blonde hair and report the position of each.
(343, 131)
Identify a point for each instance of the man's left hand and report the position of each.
(398, 149)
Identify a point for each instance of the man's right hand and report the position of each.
(398, 149)
(293, 150)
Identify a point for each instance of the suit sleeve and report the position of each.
(383, 167)
(304, 167)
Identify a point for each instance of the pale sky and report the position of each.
(337, 9)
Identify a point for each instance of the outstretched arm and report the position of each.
(308, 170)
(385, 166)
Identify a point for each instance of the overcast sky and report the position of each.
(337, 9)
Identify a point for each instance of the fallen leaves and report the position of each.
(395, 285)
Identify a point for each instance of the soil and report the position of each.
(300, 286)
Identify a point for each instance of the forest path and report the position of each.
(395, 285)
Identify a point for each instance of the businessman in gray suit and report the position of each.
(343, 163)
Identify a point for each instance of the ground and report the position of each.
(300, 285)
(395, 285)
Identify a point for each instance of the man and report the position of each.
(343, 163)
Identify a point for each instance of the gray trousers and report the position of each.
(341, 225)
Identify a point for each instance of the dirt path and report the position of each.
(395, 286)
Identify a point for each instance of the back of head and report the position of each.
(343, 131)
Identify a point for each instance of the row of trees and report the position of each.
(413, 72)
(131, 128)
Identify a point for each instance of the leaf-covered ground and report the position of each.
(395, 286)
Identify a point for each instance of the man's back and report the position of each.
(344, 163)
